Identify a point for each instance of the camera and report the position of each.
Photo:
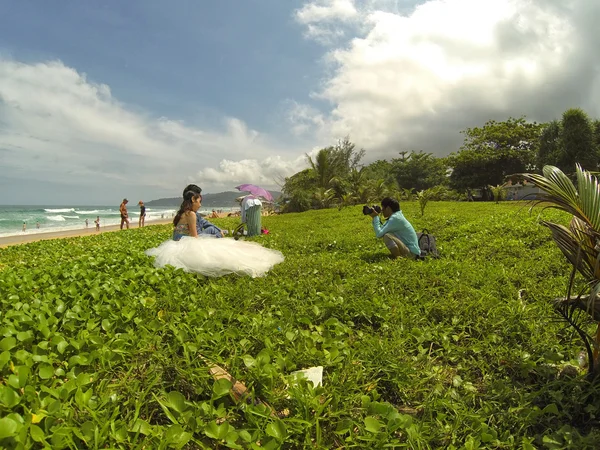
(368, 210)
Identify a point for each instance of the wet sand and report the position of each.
(34, 237)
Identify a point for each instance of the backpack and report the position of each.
(427, 245)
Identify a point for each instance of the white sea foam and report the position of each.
(97, 212)
(58, 218)
(60, 210)
(71, 217)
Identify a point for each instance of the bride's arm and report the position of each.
(191, 221)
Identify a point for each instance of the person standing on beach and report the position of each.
(124, 214)
(97, 222)
(37, 225)
(24, 227)
(142, 214)
(86, 223)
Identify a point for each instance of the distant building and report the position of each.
(520, 190)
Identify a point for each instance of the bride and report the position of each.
(207, 255)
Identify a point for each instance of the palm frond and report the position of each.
(569, 246)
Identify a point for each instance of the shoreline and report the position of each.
(8, 241)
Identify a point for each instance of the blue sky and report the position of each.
(106, 99)
(178, 59)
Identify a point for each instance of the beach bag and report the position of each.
(427, 245)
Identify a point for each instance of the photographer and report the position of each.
(398, 234)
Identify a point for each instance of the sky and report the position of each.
(110, 99)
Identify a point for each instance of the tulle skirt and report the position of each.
(216, 257)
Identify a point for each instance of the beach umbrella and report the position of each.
(257, 191)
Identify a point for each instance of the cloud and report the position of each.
(268, 172)
(326, 10)
(56, 126)
(412, 80)
(322, 19)
(304, 119)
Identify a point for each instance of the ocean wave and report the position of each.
(57, 218)
(59, 210)
(97, 212)
(71, 217)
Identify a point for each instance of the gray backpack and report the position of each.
(427, 245)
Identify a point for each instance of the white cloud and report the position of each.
(304, 119)
(405, 81)
(326, 10)
(56, 126)
(268, 172)
(323, 18)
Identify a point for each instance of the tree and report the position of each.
(298, 190)
(490, 153)
(548, 145)
(380, 169)
(337, 161)
(576, 142)
(419, 171)
(596, 129)
(327, 179)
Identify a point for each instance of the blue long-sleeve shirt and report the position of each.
(399, 227)
(203, 226)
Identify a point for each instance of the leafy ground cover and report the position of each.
(100, 349)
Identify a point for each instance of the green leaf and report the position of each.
(550, 409)
(45, 371)
(277, 430)
(177, 436)
(245, 436)
(8, 397)
(218, 432)
(8, 343)
(221, 387)
(177, 401)
(4, 358)
(249, 361)
(24, 335)
(372, 424)
(37, 434)
(19, 379)
(142, 427)
(61, 347)
(8, 428)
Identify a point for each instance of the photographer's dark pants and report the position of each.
(397, 247)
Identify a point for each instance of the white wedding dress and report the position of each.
(215, 257)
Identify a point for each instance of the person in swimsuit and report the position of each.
(142, 214)
(97, 222)
(124, 214)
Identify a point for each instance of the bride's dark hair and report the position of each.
(186, 205)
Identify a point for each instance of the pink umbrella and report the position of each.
(256, 191)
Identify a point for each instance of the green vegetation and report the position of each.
(579, 244)
(100, 349)
(490, 156)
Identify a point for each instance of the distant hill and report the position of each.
(221, 199)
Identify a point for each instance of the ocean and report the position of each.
(60, 218)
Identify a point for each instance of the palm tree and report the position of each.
(498, 191)
(580, 243)
(346, 200)
(380, 189)
(322, 167)
(323, 197)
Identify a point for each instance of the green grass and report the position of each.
(100, 349)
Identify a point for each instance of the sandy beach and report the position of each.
(34, 237)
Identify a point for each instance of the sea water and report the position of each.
(61, 218)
